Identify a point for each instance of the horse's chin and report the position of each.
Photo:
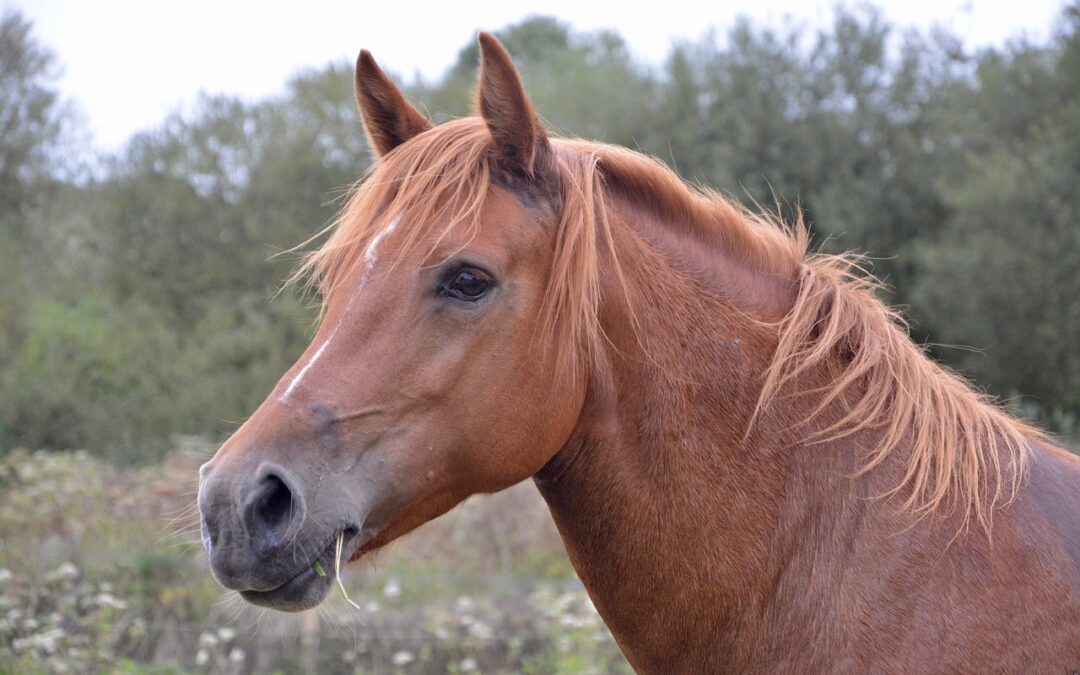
(304, 591)
(313, 582)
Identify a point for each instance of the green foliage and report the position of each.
(141, 304)
(833, 124)
(31, 125)
(557, 65)
(30, 117)
(1004, 277)
(122, 380)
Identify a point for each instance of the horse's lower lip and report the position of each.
(308, 587)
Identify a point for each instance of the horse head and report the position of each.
(432, 375)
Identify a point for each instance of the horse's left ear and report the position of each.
(389, 118)
(500, 99)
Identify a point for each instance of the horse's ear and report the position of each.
(501, 101)
(389, 118)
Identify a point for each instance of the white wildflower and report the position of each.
(563, 602)
(109, 600)
(402, 658)
(392, 589)
(467, 665)
(64, 572)
(44, 641)
(237, 655)
(481, 630)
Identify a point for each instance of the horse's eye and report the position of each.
(468, 283)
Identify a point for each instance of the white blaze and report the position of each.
(307, 367)
(370, 256)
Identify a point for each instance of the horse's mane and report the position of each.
(965, 453)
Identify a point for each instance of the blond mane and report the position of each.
(965, 453)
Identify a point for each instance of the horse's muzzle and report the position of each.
(256, 530)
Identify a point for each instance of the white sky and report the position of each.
(126, 63)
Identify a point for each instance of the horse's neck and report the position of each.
(669, 510)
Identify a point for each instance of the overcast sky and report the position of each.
(126, 63)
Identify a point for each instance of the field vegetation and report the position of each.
(141, 319)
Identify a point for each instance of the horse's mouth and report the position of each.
(312, 583)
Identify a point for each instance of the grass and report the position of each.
(101, 571)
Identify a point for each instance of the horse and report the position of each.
(751, 464)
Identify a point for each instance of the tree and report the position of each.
(583, 84)
(142, 304)
(31, 120)
(31, 124)
(1004, 277)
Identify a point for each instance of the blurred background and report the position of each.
(140, 318)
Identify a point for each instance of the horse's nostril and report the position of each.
(271, 510)
(275, 504)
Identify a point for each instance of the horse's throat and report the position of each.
(664, 511)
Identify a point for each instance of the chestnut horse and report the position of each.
(752, 466)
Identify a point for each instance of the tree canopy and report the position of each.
(143, 301)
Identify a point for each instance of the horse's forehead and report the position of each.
(503, 220)
(507, 214)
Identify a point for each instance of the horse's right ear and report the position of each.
(389, 118)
